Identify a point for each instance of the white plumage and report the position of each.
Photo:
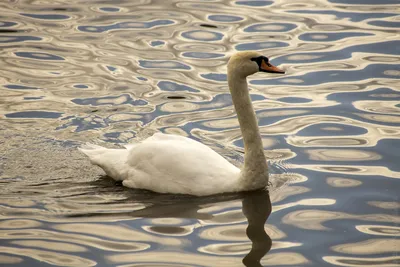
(167, 163)
(175, 164)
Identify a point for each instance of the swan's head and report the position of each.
(247, 63)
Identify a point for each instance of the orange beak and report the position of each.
(268, 67)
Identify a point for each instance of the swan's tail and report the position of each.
(91, 150)
(112, 161)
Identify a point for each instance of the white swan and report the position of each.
(167, 163)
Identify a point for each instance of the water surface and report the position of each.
(112, 72)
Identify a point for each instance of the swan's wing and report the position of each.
(234, 157)
(176, 164)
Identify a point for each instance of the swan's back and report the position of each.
(168, 164)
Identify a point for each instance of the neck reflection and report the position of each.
(257, 208)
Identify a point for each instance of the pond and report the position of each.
(114, 72)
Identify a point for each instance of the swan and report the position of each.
(166, 163)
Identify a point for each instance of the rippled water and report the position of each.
(113, 72)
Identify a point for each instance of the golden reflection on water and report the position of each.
(314, 219)
(342, 155)
(385, 205)
(342, 182)
(379, 230)
(114, 72)
(368, 247)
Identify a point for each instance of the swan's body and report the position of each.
(175, 164)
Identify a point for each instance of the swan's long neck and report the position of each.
(255, 171)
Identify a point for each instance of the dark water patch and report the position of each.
(225, 18)
(124, 99)
(259, 46)
(81, 86)
(176, 97)
(173, 86)
(20, 87)
(253, 3)
(376, 71)
(34, 114)
(294, 100)
(157, 43)
(39, 56)
(219, 77)
(9, 31)
(142, 78)
(110, 9)
(331, 129)
(60, 9)
(33, 97)
(167, 230)
(208, 26)
(163, 64)
(112, 135)
(388, 48)
(330, 36)
(15, 39)
(202, 55)
(46, 16)
(126, 25)
(271, 27)
(111, 68)
(390, 155)
(353, 16)
(6, 24)
(385, 24)
(199, 35)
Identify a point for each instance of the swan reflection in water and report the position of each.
(256, 207)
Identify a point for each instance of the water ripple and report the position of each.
(126, 25)
(16, 39)
(46, 16)
(271, 27)
(353, 16)
(37, 55)
(202, 35)
(163, 65)
(115, 72)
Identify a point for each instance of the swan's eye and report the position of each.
(259, 60)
